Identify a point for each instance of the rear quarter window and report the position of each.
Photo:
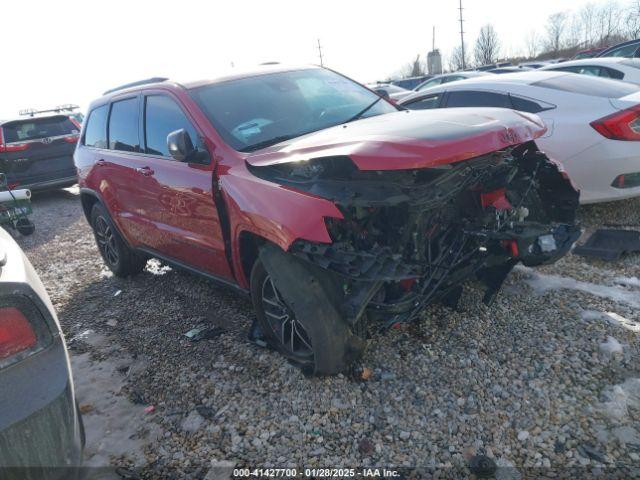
(35, 128)
(95, 133)
(586, 85)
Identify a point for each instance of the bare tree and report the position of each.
(487, 46)
(455, 59)
(412, 69)
(588, 18)
(556, 27)
(632, 21)
(532, 43)
(573, 36)
(608, 22)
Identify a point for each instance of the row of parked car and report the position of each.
(591, 119)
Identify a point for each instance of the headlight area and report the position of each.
(412, 237)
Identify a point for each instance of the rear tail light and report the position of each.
(71, 139)
(23, 329)
(16, 333)
(11, 147)
(623, 125)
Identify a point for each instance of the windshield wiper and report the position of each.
(268, 143)
(363, 111)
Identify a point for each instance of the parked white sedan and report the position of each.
(593, 124)
(618, 68)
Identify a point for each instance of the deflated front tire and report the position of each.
(297, 308)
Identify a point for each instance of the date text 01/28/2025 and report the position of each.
(315, 472)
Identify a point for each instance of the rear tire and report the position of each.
(25, 226)
(311, 332)
(120, 259)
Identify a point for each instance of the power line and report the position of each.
(462, 37)
(320, 53)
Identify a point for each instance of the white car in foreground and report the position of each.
(617, 68)
(593, 124)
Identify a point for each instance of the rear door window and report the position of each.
(472, 98)
(425, 103)
(123, 126)
(163, 116)
(95, 133)
(36, 128)
(585, 85)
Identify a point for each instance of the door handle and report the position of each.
(146, 171)
(101, 162)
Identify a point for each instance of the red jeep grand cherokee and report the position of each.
(334, 208)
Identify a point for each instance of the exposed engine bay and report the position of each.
(411, 237)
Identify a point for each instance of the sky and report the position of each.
(59, 51)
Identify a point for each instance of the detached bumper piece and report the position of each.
(610, 244)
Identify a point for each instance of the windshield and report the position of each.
(254, 112)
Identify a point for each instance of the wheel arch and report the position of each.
(248, 249)
(88, 198)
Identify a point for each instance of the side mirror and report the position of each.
(383, 93)
(180, 145)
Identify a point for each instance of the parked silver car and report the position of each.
(41, 431)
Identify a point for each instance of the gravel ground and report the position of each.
(547, 377)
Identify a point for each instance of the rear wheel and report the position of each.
(120, 259)
(299, 318)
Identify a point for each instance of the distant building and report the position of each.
(434, 62)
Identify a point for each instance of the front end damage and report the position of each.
(412, 237)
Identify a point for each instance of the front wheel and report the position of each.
(298, 315)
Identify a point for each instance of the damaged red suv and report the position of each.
(334, 208)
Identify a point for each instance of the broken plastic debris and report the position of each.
(587, 451)
(203, 333)
(150, 409)
(482, 466)
(117, 293)
(206, 412)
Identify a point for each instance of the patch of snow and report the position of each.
(542, 283)
(611, 346)
(106, 273)
(591, 315)
(620, 321)
(114, 425)
(619, 398)
(628, 281)
(155, 267)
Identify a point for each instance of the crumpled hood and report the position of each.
(410, 139)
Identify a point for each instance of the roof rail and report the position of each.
(135, 84)
(68, 107)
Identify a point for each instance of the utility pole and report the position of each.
(462, 38)
(320, 53)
